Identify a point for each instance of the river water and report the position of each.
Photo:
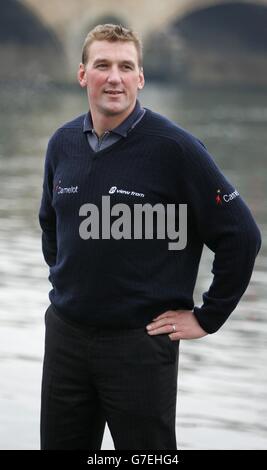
(222, 382)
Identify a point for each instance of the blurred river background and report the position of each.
(222, 380)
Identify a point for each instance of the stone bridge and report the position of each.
(172, 30)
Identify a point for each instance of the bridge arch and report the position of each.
(20, 31)
(221, 42)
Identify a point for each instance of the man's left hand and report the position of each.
(186, 325)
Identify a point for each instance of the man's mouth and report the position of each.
(113, 92)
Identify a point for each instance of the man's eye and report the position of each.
(129, 67)
(101, 65)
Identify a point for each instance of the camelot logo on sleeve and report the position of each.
(226, 197)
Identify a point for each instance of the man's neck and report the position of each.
(102, 123)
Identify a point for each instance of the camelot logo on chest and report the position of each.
(58, 189)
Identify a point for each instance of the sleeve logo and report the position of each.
(226, 197)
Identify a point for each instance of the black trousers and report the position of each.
(91, 377)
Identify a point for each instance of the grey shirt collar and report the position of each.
(122, 129)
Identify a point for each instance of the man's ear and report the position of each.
(141, 79)
(81, 75)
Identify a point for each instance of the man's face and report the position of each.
(112, 77)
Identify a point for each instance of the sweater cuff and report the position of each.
(204, 321)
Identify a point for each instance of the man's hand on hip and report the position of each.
(179, 324)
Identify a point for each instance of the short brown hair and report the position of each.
(112, 33)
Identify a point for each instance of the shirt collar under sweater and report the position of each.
(122, 129)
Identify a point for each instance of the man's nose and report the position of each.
(114, 75)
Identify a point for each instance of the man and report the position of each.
(121, 304)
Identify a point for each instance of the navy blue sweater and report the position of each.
(125, 283)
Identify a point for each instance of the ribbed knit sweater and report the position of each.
(125, 283)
